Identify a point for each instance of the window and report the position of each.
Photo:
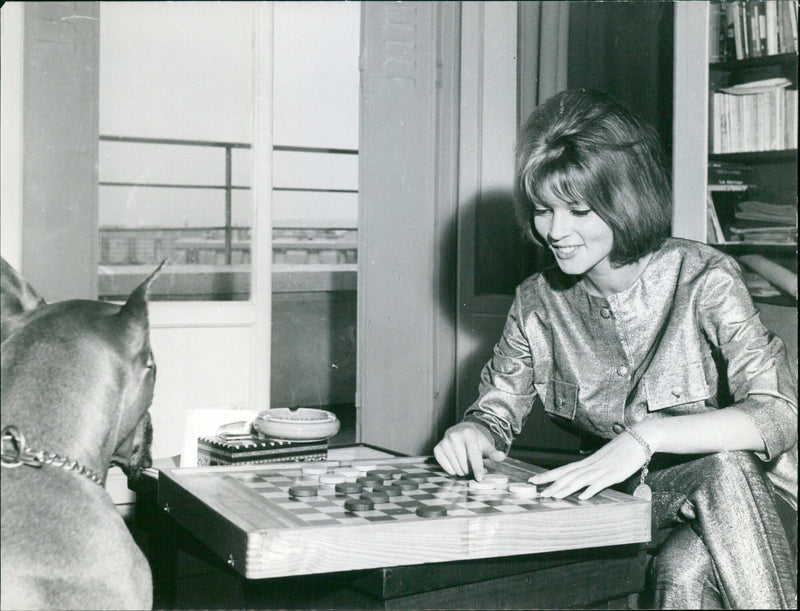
(174, 151)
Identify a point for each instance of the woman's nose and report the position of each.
(561, 225)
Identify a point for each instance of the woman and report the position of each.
(643, 345)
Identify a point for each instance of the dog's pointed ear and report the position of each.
(136, 305)
(16, 298)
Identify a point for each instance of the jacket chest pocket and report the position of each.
(677, 385)
(559, 398)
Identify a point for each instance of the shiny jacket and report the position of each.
(683, 338)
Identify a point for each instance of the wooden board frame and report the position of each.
(259, 541)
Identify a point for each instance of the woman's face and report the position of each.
(580, 240)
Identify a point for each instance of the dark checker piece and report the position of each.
(359, 505)
(405, 485)
(348, 488)
(418, 477)
(389, 489)
(369, 481)
(299, 491)
(376, 497)
(430, 511)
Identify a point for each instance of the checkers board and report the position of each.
(265, 521)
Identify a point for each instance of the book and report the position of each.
(771, 24)
(745, 29)
(729, 173)
(714, 233)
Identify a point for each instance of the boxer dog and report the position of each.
(77, 382)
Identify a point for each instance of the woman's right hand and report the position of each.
(463, 448)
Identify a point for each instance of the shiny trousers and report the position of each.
(718, 539)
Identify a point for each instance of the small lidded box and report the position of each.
(255, 449)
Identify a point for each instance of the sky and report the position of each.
(184, 71)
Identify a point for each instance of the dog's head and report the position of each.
(78, 374)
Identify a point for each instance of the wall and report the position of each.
(59, 140)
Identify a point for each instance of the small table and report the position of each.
(538, 555)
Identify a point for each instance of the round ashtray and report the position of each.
(301, 424)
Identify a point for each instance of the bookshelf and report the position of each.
(735, 137)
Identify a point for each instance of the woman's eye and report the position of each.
(580, 212)
(541, 211)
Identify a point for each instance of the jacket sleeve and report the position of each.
(506, 391)
(760, 378)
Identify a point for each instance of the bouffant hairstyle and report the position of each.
(583, 146)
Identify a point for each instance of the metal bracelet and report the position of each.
(647, 451)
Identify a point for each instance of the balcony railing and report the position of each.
(227, 244)
(212, 261)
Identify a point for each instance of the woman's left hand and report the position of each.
(613, 463)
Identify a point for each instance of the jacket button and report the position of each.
(605, 312)
(617, 428)
(677, 391)
(622, 370)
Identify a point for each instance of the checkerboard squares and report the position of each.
(436, 490)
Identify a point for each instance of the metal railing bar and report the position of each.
(313, 149)
(176, 141)
(228, 206)
(221, 144)
(306, 190)
(109, 228)
(160, 185)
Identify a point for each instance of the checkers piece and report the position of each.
(416, 476)
(366, 468)
(348, 488)
(500, 480)
(332, 478)
(526, 490)
(376, 497)
(405, 485)
(382, 474)
(431, 511)
(348, 472)
(361, 504)
(482, 485)
(389, 489)
(315, 469)
(369, 481)
(301, 491)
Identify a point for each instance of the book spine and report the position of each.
(715, 28)
(716, 123)
(762, 131)
(790, 113)
(771, 22)
(792, 10)
(736, 16)
(714, 233)
(755, 37)
(778, 119)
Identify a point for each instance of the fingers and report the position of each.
(462, 449)
(475, 456)
(443, 459)
(497, 455)
(554, 474)
(572, 482)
